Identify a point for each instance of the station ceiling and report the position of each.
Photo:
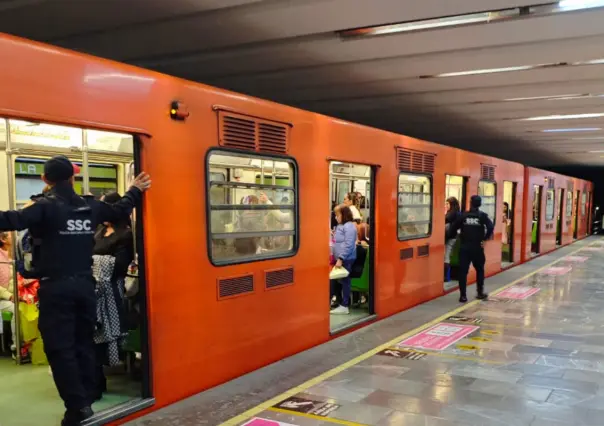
(469, 81)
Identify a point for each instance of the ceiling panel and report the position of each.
(289, 51)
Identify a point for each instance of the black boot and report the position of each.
(75, 418)
(481, 294)
(463, 298)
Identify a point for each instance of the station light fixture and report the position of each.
(563, 116)
(573, 129)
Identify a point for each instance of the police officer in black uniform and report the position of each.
(63, 225)
(476, 228)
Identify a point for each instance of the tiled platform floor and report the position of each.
(535, 361)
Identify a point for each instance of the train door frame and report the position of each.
(463, 203)
(511, 214)
(537, 192)
(576, 214)
(146, 398)
(334, 189)
(560, 218)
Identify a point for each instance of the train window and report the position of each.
(550, 204)
(252, 207)
(109, 142)
(583, 203)
(414, 206)
(488, 191)
(569, 204)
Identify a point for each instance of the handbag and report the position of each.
(338, 273)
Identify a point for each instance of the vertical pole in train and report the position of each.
(11, 206)
(85, 170)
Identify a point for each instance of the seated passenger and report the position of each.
(453, 213)
(344, 251)
(7, 299)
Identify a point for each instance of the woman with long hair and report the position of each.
(453, 212)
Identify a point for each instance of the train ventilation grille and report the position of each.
(551, 183)
(236, 286)
(248, 133)
(279, 278)
(407, 253)
(487, 172)
(415, 161)
(423, 251)
(570, 187)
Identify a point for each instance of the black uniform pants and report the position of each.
(471, 254)
(67, 322)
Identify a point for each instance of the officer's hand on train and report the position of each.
(142, 182)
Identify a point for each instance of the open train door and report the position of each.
(106, 161)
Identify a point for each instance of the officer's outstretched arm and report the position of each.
(17, 220)
(488, 223)
(123, 208)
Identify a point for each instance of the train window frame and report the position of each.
(569, 204)
(494, 183)
(584, 203)
(296, 206)
(552, 192)
(430, 179)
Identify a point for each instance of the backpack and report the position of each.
(28, 248)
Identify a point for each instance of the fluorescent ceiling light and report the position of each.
(486, 71)
(575, 129)
(567, 5)
(563, 117)
(538, 98)
(596, 152)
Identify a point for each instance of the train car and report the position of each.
(559, 209)
(233, 240)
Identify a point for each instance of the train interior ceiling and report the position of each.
(105, 162)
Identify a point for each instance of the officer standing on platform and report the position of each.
(476, 228)
(62, 226)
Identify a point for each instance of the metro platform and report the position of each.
(532, 355)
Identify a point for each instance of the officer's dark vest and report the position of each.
(472, 228)
(66, 238)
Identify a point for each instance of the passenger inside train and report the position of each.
(104, 167)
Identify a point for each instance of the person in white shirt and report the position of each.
(351, 200)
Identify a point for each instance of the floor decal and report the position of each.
(517, 292)
(557, 270)
(307, 406)
(579, 259)
(402, 354)
(263, 422)
(439, 337)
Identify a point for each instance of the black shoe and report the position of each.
(75, 418)
(482, 296)
(463, 299)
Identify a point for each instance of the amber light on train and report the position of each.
(178, 111)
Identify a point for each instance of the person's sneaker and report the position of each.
(463, 299)
(482, 296)
(340, 310)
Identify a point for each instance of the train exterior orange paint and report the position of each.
(197, 340)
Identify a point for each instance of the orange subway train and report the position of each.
(233, 240)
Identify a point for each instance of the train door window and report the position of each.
(414, 206)
(455, 186)
(251, 207)
(550, 205)
(103, 167)
(488, 191)
(508, 223)
(569, 208)
(351, 185)
(536, 224)
(583, 204)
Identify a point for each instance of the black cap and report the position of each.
(58, 169)
(476, 201)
